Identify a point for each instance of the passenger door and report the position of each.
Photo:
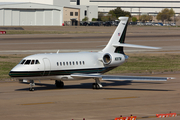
(47, 67)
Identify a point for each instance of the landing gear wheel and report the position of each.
(95, 86)
(31, 85)
(31, 89)
(59, 84)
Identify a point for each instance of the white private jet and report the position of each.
(81, 65)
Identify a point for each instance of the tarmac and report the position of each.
(77, 100)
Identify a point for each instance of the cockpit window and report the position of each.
(32, 62)
(22, 61)
(27, 62)
(37, 62)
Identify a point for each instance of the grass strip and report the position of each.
(149, 64)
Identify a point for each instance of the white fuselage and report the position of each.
(60, 66)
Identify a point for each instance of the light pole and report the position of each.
(87, 12)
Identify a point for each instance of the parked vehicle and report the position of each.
(132, 23)
(157, 24)
(83, 23)
(140, 23)
(115, 23)
(166, 24)
(107, 23)
(148, 23)
(173, 24)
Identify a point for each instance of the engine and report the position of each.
(112, 59)
(107, 59)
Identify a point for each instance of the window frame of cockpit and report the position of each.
(27, 62)
(23, 62)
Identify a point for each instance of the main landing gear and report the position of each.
(59, 84)
(97, 85)
(32, 84)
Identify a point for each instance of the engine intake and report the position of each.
(107, 59)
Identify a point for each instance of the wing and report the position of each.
(123, 78)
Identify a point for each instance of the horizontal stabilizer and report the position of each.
(135, 46)
(123, 78)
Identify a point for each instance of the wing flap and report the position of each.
(121, 78)
(130, 78)
(86, 75)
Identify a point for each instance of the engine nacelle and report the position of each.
(107, 59)
(112, 59)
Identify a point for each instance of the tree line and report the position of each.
(165, 15)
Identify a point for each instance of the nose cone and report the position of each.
(10, 73)
(14, 72)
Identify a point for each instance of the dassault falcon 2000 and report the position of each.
(81, 65)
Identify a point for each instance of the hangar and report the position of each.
(43, 13)
(30, 14)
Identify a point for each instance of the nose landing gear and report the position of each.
(32, 84)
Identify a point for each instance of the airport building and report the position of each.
(43, 12)
(136, 7)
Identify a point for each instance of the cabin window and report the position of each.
(63, 63)
(27, 62)
(37, 62)
(22, 62)
(69, 63)
(76, 62)
(66, 63)
(32, 62)
(83, 63)
(80, 62)
(57, 64)
(60, 64)
(73, 62)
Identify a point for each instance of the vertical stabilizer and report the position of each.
(117, 37)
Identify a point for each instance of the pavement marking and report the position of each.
(122, 98)
(38, 103)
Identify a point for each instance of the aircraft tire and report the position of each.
(59, 84)
(95, 86)
(31, 89)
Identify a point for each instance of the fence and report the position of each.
(91, 23)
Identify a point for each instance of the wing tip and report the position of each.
(170, 78)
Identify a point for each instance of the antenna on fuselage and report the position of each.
(57, 52)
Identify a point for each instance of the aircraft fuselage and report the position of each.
(59, 66)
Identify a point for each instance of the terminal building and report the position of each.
(43, 12)
(135, 7)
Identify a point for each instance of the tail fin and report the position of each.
(116, 43)
(118, 37)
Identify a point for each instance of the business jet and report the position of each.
(81, 65)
